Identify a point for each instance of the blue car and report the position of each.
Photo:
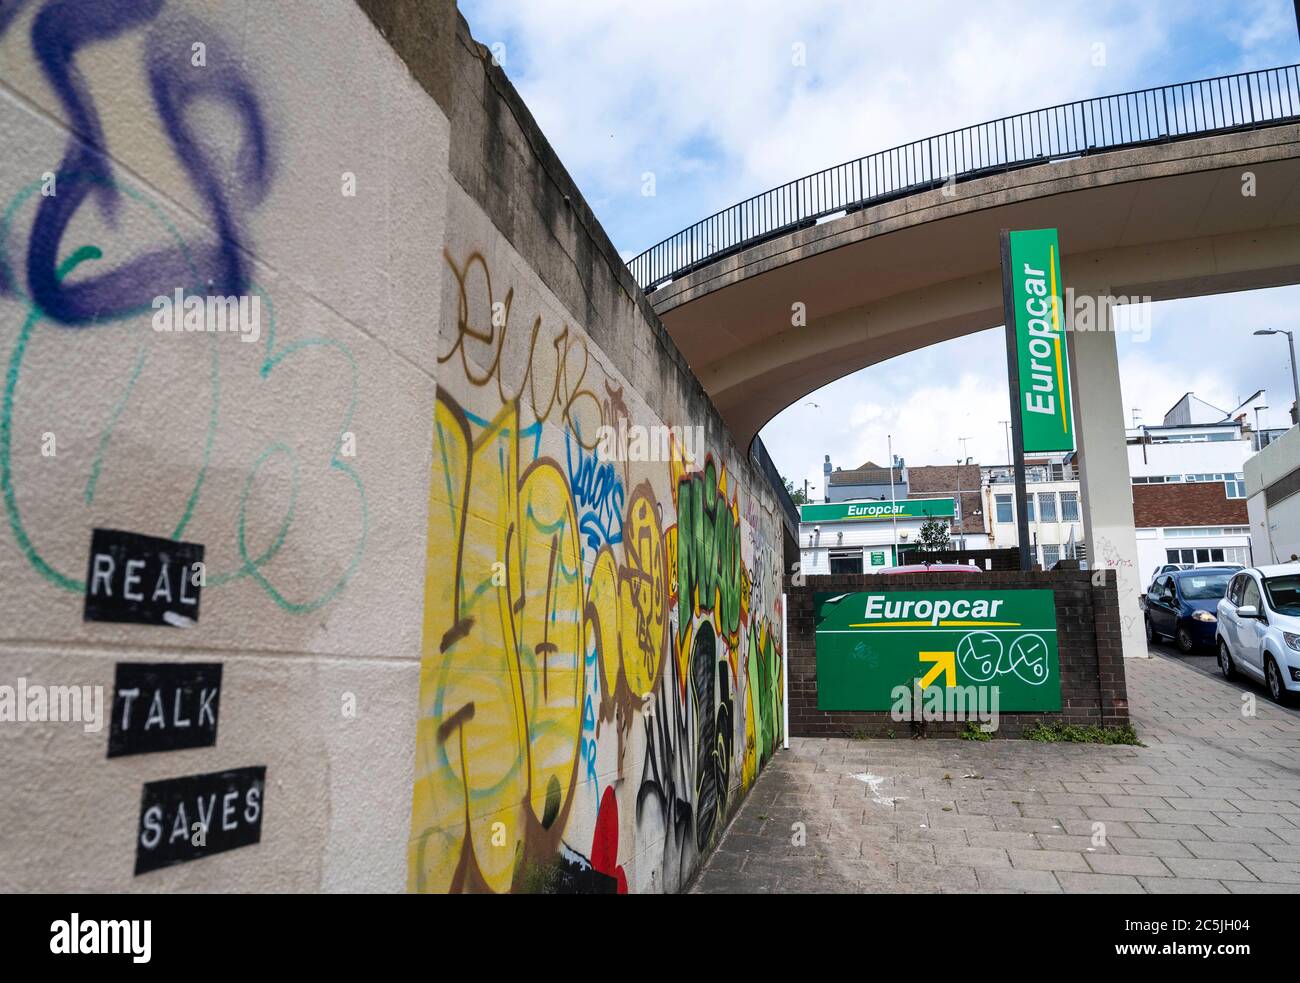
(1182, 605)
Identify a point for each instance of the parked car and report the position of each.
(1182, 605)
(1165, 568)
(1259, 628)
(933, 568)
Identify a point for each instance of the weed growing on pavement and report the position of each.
(1075, 734)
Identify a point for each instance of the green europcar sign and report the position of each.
(904, 508)
(1037, 291)
(869, 644)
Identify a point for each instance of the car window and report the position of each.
(1284, 594)
(1234, 589)
(1203, 587)
(1167, 588)
(1250, 595)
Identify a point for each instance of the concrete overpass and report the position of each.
(1174, 192)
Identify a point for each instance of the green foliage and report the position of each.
(1076, 734)
(796, 494)
(934, 536)
(972, 732)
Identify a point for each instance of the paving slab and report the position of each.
(1210, 804)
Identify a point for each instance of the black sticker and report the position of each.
(164, 706)
(143, 579)
(184, 819)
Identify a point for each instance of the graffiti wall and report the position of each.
(344, 545)
(600, 677)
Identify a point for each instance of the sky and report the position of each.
(716, 101)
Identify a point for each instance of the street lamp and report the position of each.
(1295, 380)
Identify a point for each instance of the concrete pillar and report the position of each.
(1106, 493)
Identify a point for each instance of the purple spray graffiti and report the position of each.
(62, 28)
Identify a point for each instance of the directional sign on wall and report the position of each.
(1037, 289)
(870, 643)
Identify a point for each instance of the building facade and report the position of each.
(1189, 493)
(867, 536)
(1273, 499)
(1051, 506)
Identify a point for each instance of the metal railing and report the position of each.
(1035, 473)
(1217, 105)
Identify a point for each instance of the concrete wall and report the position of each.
(470, 651)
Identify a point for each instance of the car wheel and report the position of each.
(1186, 643)
(1225, 662)
(1273, 677)
(1153, 636)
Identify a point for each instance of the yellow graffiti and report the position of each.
(501, 680)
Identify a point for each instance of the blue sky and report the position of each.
(708, 97)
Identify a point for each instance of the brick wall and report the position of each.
(1089, 639)
(941, 481)
(1003, 559)
(1196, 504)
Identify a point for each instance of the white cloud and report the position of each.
(705, 96)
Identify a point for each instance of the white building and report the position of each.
(869, 535)
(1273, 504)
(1189, 490)
(1051, 506)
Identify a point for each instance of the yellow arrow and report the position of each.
(944, 662)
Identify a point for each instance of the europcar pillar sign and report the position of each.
(1044, 377)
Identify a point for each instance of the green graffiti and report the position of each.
(765, 684)
(709, 574)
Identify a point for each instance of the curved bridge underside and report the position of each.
(1197, 216)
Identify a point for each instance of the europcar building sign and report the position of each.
(1044, 369)
(905, 508)
(871, 643)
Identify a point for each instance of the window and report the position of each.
(1069, 506)
(1250, 595)
(846, 561)
(1003, 503)
(1234, 485)
(1050, 555)
(1209, 587)
(1046, 506)
(1235, 588)
(1200, 531)
(1029, 508)
(1157, 479)
(1284, 594)
(1209, 554)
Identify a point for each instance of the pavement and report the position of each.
(1210, 804)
